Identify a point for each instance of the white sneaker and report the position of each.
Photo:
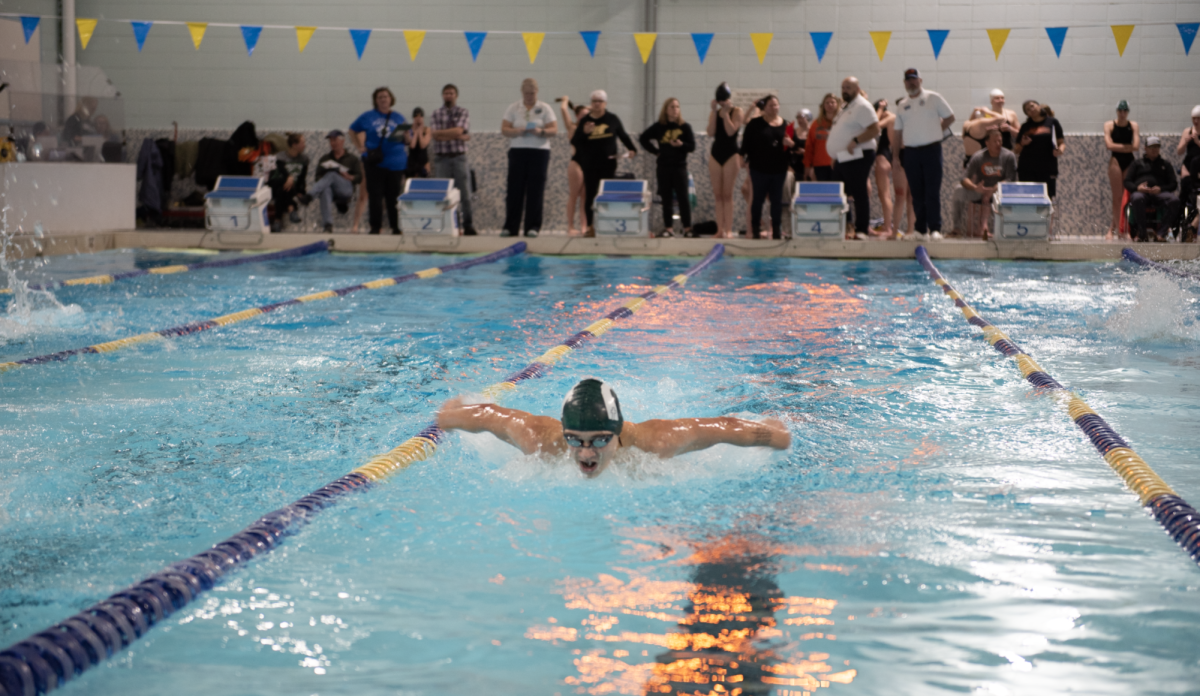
(919, 236)
(935, 235)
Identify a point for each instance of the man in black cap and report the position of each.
(594, 432)
(338, 172)
(1151, 180)
(922, 120)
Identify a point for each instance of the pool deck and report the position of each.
(1070, 249)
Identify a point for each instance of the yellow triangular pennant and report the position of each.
(414, 38)
(761, 43)
(533, 43)
(998, 37)
(303, 34)
(197, 30)
(1122, 32)
(881, 39)
(85, 27)
(645, 44)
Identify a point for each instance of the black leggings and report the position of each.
(593, 173)
(765, 185)
(383, 188)
(673, 184)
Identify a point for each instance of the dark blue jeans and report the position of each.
(923, 166)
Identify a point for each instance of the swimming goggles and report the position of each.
(599, 441)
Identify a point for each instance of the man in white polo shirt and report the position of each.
(922, 120)
(530, 124)
(851, 144)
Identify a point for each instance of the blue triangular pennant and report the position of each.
(590, 38)
(140, 29)
(820, 41)
(250, 36)
(475, 42)
(702, 41)
(1187, 32)
(360, 37)
(937, 37)
(30, 25)
(1057, 36)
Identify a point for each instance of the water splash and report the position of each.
(1163, 309)
(28, 311)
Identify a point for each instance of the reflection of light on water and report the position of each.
(726, 639)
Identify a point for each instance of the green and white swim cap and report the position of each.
(592, 405)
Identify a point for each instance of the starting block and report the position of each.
(1022, 211)
(238, 203)
(819, 209)
(429, 206)
(622, 208)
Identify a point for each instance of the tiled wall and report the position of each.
(1083, 202)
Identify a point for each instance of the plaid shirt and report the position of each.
(444, 118)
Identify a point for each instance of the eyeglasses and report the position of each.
(597, 441)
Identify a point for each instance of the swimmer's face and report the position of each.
(591, 450)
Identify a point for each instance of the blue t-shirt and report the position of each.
(395, 154)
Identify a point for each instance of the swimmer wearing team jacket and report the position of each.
(594, 432)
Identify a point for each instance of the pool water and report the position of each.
(936, 527)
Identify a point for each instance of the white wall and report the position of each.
(219, 85)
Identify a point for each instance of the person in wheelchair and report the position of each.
(1151, 183)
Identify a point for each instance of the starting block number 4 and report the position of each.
(816, 227)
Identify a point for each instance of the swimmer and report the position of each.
(594, 433)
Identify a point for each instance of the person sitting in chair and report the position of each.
(594, 433)
(338, 172)
(1151, 181)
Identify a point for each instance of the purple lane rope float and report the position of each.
(1177, 517)
(1144, 262)
(42, 662)
(243, 315)
(292, 253)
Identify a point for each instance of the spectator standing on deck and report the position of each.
(671, 139)
(287, 181)
(571, 113)
(1189, 185)
(798, 132)
(725, 160)
(529, 124)
(451, 130)
(417, 140)
(851, 143)
(379, 138)
(1122, 139)
(1151, 181)
(1039, 145)
(338, 172)
(883, 168)
(766, 146)
(818, 166)
(922, 119)
(595, 142)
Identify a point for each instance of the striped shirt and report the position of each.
(445, 118)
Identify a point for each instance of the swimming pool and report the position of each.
(937, 525)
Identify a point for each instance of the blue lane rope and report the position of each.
(243, 315)
(1180, 520)
(56, 655)
(296, 252)
(1140, 260)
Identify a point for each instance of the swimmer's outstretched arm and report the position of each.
(667, 438)
(525, 431)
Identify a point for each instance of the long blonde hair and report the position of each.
(822, 119)
(662, 113)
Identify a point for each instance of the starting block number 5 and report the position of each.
(1022, 230)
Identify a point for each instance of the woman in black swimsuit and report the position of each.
(724, 121)
(883, 168)
(1122, 139)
